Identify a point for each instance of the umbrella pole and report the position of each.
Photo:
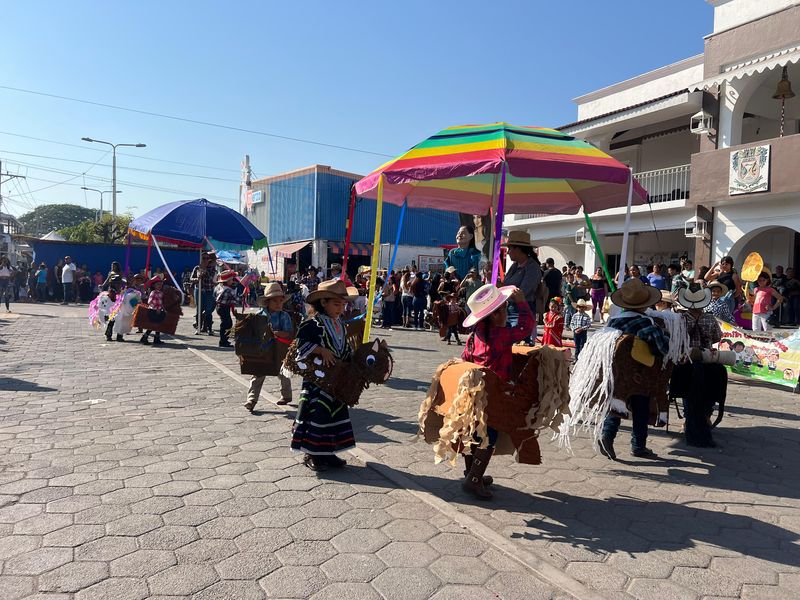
(397, 236)
(624, 257)
(498, 225)
(373, 276)
(147, 262)
(199, 292)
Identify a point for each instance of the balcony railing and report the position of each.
(668, 184)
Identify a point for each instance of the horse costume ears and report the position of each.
(376, 346)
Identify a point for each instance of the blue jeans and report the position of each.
(206, 309)
(640, 414)
(580, 340)
(6, 291)
(67, 292)
(408, 308)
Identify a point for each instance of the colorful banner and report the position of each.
(772, 357)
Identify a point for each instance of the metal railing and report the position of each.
(529, 216)
(667, 184)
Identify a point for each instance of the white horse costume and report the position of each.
(123, 319)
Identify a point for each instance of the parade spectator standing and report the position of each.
(470, 285)
(6, 282)
(465, 255)
(203, 277)
(407, 297)
(433, 289)
(792, 292)
(419, 290)
(68, 278)
(525, 272)
(41, 283)
(598, 292)
(388, 297)
(687, 271)
(761, 298)
(656, 279)
(724, 273)
(635, 273)
(116, 271)
(225, 298)
(552, 279)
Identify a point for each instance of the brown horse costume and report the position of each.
(260, 352)
(345, 380)
(165, 321)
(465, 399)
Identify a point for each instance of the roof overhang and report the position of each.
(655, 111)
(765, 62)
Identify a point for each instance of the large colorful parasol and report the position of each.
(498, 168)
(548, 172)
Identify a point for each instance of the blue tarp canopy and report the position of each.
(192, 221)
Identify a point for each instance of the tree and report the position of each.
(48, 217)
(107, 230)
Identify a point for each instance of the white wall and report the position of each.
(730, 13)
(775, 245)
(670, 150)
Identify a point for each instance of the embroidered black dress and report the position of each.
(322, 425)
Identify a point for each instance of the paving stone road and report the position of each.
(133, 472)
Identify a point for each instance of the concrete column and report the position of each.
(319, 254)
(590, 259)
(729, 131)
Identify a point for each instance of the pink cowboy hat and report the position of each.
(485, 301)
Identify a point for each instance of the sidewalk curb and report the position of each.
(538, 566)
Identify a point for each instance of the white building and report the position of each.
(685, 163)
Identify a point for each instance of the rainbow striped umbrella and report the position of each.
(548, 172)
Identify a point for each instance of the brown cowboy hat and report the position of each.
(635, 294)
(271, 290)
(333, 288)
(520, 239)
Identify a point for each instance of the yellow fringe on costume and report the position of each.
(466, 419)
(427, 404)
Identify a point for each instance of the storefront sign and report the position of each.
(749, 170)
(429, 263)
(764, 357)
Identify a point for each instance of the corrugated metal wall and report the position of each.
(291, 205)
(422, 227)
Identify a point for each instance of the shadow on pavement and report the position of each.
(757, 412)
(628, 525)
(365, 420)
(407, 385)
(11, 384)
(758, 460)
(411, 348)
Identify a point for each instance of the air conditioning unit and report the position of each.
(582, 237)
(696, 227)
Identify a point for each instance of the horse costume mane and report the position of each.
(465, 399)
(345, 380)
(127, 301)
(99, 310)
(260, 352)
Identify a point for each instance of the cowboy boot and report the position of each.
(487, 480)
(474, 480)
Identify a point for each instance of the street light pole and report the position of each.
(113, 169)
(101, 192)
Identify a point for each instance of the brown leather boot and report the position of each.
(474, 480)
(487, 480)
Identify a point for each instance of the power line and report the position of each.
(138, 156)
(86, 162)
(195, 121)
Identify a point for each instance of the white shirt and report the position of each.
(5, 272)
(67, 273)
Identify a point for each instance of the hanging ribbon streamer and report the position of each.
(599, 251)
(348, 230)
(166, 266)
(376, 245)
(498, 226)
(397, 235)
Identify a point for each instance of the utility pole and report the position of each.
(10, 177)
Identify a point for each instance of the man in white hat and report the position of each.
(635, 297)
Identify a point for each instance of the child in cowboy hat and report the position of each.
(635, 297)
(271, 304)
(490, 345)
(580, 325)
(322, 427)
(155, 301)
(225, 298)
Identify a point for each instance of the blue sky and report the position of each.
(377, 76)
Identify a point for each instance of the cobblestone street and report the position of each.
(131, 472)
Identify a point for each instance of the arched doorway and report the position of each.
(777, 245)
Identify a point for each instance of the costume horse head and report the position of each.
(345, 380)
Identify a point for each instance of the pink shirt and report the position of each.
(763, 301)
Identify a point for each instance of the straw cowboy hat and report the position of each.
(667, 297)
(271, 290)
(450, 270)
(520, 239)
(227, 276)
(582, 303)
(485, 300)
(334, 288)
(635, 294)
(718, 284)
(694, 297)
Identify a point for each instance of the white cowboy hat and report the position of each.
(697, 298)
(485, 300)
(583, 303)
